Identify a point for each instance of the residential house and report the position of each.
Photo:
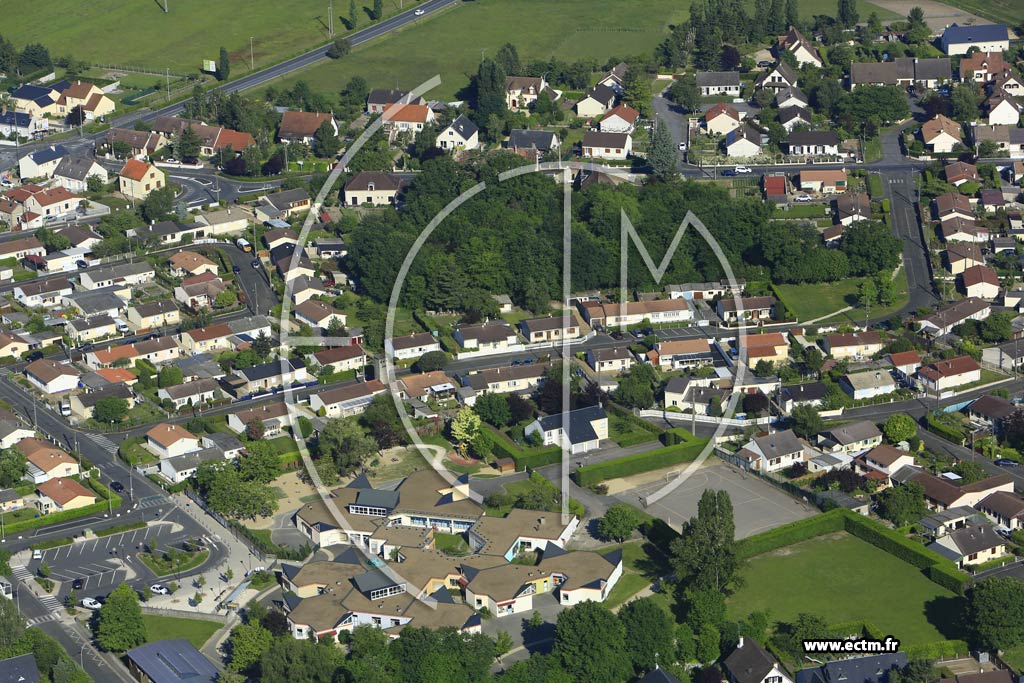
(973, 544)
(270, 376)
(212, 139)
(826, 181)
(200, 291)
(42, 162)
(520, 379)
(867, 384)
(22, 247)
(277, 237)
(941, 493)
(156, 351)
(989, 200)
(83, 406)
(883, 458)
(948, 374)
(776, 188)
(743, 142)
(196, 393)
(857, 669)
(598, 145)
(960, 172)
(778, 77)
(852, 345)
(168, 232)
(957, 229)
(715, 83)
(38, 100)
(1008, 356)
(338, 358)
(73, 173)
(62, 494)
(620, 119)
(772, 452)
(273, 417)
(957, 40)
(746, 308)
(791, 117)
(461, 134)
(811, 394)
(347, 400)
(1001, 109)
(705, 290)
(372, 187)
(720, 119)
(380, 99)
(118, 275)
(1004, 508)
(283, 204)
(93, 328)
(46, 461)
(137, 179)
(87, 96)
(1009, 140)
(770, 347)
(13, 345)
(945, 319)
(550, 329)
(981, 67)
(186, 263)
(407, 118)
(533, 144)
(751, 663)
(852, 207)
(51, 377)
(425, 386)
(141, 144)
(903, 71)
(610, 315)
(595, 102)
(318, 315)
(21, 124)
(615, 359)
(43, 293)
(802, 49)
(495, 336)
(850, 438)
(905, 363)
(181, 467)
(813, 143)
(990, 410)
(584, 431)
(521, 92)
(302, 126)
(941, 134)
(616, 77)
(170, 440)
(791, 97)
(682, 354)
(981, 282)
(411, 346)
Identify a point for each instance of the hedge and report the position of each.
(942, 649)
(945, 431)
(949, 577)
(629, 417)
(641, 462)
(801, 530)
(532, 458)
(858, 627)
(57, 517)
(676, 435)
(120, 529)
(891, 542)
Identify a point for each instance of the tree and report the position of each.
(289, 660)
(248, 643)
(899, 427)
(520, 408)
(345, 442)
(263, 345)
(119, 625)
(705, 552)
(965, 100)
(870, 247)
(969, 472)
(465, 427)
(110, 409)
(189, 144)
(756, 403)
(255, 430)
(792, 13)
(590, 642)
(790, 636)
(995, 613)
(636, 90)
(340, 47)
(13, 467)
(662, 152)
(708, 644)
(326, 143)
(685, 93)
(902, 504)
(636, 390)
(158, 205)
(868, 293)
(12, 624)
(223, 65)
(493, 409)
(502, 644)
(648, 633)
(353, 16)
(170, 376)
(225, 299)
(998, 327)
(847, 14)
(490, 95)
(618, 522)
(431, 361)
(260, 464)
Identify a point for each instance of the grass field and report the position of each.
(642, 565)
(140, 34)
(1005, 11)
(842, 578)
(451, 44)
(196, 631)
(811, 301)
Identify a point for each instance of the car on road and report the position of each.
(637, 334)
(764, 64)
(255, 570)
(682, 146)
(236, 270)
(160, 589)
(170, 160)
(34, 356)
(91, 603)
(418, 13)
(802, 198)
(256, 263)
(78, 584)
(81, 264)
(117, 487)
(617, 336)
(37, 554)
(743, 169)
(728, 173)
(1006, 462)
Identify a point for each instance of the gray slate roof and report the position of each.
(173, 661)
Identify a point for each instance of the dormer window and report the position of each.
(369, 187)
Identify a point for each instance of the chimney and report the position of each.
(740, 643)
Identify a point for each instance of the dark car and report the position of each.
(1006, 462)
(78, 584)
(729, 172)
(618, 336)
(764, 63)
(34, 356)
(637, 334)
(236, 269)
(256, 263)
(116, 486)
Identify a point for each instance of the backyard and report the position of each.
(814, 300)
(842, 578)
(196, 631)
(642, 565)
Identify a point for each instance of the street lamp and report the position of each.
(252, 59)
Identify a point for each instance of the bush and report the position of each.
(676, 435)
(641, 462)
(943, 649)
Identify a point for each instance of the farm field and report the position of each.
(830, 577)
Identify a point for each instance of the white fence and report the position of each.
(707, 419)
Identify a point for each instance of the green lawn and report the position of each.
(163, 564)
(1014, 658)
(196, 631)
(811, 301)
(1001, 11)
(642, 565)
(143, 35)
(625, 433)
(451, 544)
(842, 578)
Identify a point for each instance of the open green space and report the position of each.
(142, 35)
(626, 433)
(173, 561)
(1014, 658)
(451, 544)
(642, 565)
(814, 300)
(1009, 12)
(842, 578)
(196, 631)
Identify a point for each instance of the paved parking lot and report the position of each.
(758, 506)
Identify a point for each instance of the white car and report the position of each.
(682, 146)
(255, 570)
(160, 589)
(802, 198)
(37, 554)
(743, 169)
(91, 603)
(418, 13)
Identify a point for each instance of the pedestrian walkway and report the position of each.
(21, 573)
(104, 442)
(153, 501)
(35, 621)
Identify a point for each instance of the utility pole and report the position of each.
(168, 73)
(252, 58)
(330, 19)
